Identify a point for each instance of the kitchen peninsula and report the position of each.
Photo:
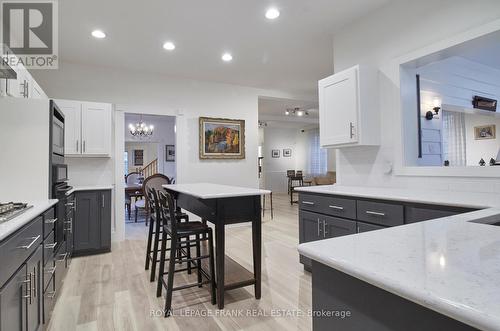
(439, 274)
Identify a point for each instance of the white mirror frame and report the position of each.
(400, 168)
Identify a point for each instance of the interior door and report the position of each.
(13, 304)
(96, 128)
(72, 111)
(338, 108)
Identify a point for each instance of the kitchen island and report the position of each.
(439, 274)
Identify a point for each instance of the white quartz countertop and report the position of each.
(450, 265)
(11, 226)
(213, 191)
(90, 188)
(449, 198)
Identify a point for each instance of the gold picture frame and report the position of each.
(221, 138)
(485, 132)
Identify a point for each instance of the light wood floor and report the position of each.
(112, 291)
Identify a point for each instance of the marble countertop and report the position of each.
(438, 197)
(450, 265)
(213, 191)
(90, 188)
(9, 227)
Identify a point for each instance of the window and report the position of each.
(318, 157)
(125, 160)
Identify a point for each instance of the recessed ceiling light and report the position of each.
(227, 57)
(169, 46)
(98, 34)
(300, 113)
(272, 13)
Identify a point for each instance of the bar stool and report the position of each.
(176, 230)
(155, 235)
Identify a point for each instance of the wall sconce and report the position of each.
(436, 103)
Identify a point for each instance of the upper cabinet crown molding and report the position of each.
(349, 108)
(88, 128)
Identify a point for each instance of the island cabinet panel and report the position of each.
(323, 216)
(357, 305)
(13, 303)
(380, 213)
(92, 222)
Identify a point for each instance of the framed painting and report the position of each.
(275, 153)
(169, 153)
(138, 157)
(287, 152)
(485, 132)
(222, 138)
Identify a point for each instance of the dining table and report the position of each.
(222, 205)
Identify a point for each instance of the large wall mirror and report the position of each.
(449, 106)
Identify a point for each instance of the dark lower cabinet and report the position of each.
(92, 222)
(323, 216)
(20, 298)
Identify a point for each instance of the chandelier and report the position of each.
(141, 130)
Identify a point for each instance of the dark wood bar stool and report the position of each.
(177, 230)
(155, 235)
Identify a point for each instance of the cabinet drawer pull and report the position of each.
(51, 295)
(376, 213)
(50, 246)
(63, 258)
(51, 271)
(70, 204)
(336, 207)
(308, 203)
(34, 240)
(51, 221)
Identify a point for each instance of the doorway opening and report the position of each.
(149, 150)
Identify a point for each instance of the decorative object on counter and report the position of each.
(170, 153)
(492, 162)
(482, 162)
(484, 103)
(446, 163)
(275, 153)
(222, 138)
(287, 152)
(138, 157)
(141, 130)
(485, 132)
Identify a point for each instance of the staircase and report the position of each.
(150, 169)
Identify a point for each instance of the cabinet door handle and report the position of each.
(51, 221)
(319, 229)
(51, 295)
(308, 203)
(324, 229)
(35, 287)
(376, 213)
(34, 239)
(336, 207)
(64, 256)
(351, 130)
(27, 281)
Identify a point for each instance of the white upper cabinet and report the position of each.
(96, 128)
(87, 128)
(35, 91)
(349, 109)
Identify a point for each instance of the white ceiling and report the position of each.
(272, 112)
(288, 54)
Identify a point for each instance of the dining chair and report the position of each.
(154, 181)
(175, 230)
(289, 174)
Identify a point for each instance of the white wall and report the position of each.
(150, 152)
(477, 149)
(377, 39)
(274, 169)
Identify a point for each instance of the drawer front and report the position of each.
(49, 222)
(15, 250)
(60, 265)
(48, 248)
(419, 214)
(365, 227)
(380, 213)
(328, 205)
(49, 271)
